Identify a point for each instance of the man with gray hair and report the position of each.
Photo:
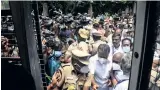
(116, 61)
(121, 82)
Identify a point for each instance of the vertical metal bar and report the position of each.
(134, 7)
(22, 19)
(138, 40)
(143, 46)
(35, 8)
(151, 34)
(36, 13)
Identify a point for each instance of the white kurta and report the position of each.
(101, 72)
(114, 50)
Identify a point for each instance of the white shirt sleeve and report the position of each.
(110, 53)
(92, 65)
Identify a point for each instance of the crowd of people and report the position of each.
(9, 48)
(84, 53)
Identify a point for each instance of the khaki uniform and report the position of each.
(69, 79)
(71, 47)
(103, 38)
(91, 41)
(96, 44)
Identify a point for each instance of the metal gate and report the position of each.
(12, 38)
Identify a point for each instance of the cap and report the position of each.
(80, 54)
(83, 33)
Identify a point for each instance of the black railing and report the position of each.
(11, 36)
(37, 32)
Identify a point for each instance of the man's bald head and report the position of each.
(117, 57)
(118, 31)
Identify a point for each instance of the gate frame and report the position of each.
(22, 19)
(144, 42)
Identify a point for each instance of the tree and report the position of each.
(45, 9)
(5, 4)
(97, 7)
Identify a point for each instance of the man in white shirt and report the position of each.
(115, 46)
(100, 68)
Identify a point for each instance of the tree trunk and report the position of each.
(90, 10)
(127, 10)
(45, 9)
(134, 7)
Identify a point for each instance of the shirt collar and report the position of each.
(118, 47)
(99, 60)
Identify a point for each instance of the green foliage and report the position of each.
(99, 7)
(5, 4)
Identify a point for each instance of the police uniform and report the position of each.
(96, 43)
(71, 78)
(71, 47)
(84, 34)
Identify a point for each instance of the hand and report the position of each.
(54, 79)
(95, 87)
(67, 58)
(59, 76)
(49, 87)
(109, 83)
(54, 82)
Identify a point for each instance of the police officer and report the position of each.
(75, 75)
(82, 36)
(97, 41)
